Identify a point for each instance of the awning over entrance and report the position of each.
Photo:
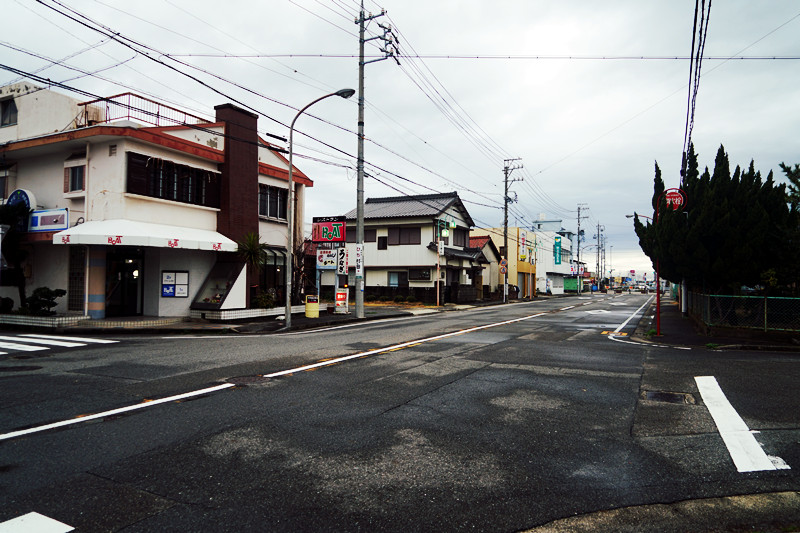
(134, 233)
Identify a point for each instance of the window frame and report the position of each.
(7, 118)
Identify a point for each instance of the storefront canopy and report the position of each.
(120, 232)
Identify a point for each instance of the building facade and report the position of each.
(553, 251)
(521, 267)
(138, 206)
(402, 250)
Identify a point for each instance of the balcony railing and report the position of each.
(129, 106)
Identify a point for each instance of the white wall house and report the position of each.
(553, 255)
(137, 215)
(401, 251)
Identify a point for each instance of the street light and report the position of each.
(343, 93)
(448, 223)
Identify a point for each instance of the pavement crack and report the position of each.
(443, 385)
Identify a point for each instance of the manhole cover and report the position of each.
(247, 380)
(669, 397)
(19, 368)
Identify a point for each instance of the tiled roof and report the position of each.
(409, 206)
(479, 242)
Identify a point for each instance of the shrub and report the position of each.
(399, 299)
(42, 301)
(370, 298)
(384, 299)
(265, 299)
(6, 305)
(411, 299)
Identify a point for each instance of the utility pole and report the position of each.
(506, 171)
(597, 256)
(389, 50)
(580, 274)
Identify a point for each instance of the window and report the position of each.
(75, 172)
(398, 279)
(7, 172)
(459, 237)
(404, 236)
(8, 112)
(77, 278)
(73, 177)
(370, 235)
(160, 178)
(272, 201)
(419, 274)
(382, 243)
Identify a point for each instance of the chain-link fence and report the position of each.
(756, 312)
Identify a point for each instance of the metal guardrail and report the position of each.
(767, 313)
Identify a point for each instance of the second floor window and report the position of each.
(404, 236)
(8, 112)
(272, 201)
(159, 178)
(73, 178)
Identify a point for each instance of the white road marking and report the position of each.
(112, 412)
(568, 307)
(633, 315)
(49, 342)
(34, 523)
(397, 346)
(746, 452)
(21, 347)
(76, 339)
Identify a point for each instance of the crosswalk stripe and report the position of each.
(49, 342)
(34, 522)
(22, 347)
(76, 339)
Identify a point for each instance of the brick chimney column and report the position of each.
(238, 213)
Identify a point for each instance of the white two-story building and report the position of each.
(138, 206)
(402, 254)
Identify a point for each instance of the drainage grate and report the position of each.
(668, 397)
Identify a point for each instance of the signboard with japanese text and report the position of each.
(557, 250)
(341, 261)
(174, 284)
(328, 229)
(360, 261)
(326, 259)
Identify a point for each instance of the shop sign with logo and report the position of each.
(328, 229)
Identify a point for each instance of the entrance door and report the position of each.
(124, 283)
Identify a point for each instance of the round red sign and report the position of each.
(674, 198)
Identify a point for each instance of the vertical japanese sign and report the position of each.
(557, 250)
(342, 261)
(360, 261)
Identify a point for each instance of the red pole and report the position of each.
(658, 302)
(658, 281)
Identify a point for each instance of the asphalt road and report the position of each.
(493, 419)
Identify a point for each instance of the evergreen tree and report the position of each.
(731, 232)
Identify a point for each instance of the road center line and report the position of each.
(397, 346)
(746, 452)
(112, 412)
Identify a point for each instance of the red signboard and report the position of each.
(328, 229)
(675, 198)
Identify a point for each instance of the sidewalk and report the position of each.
(154, 325)
(678, 330)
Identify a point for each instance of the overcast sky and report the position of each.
(589, 95)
